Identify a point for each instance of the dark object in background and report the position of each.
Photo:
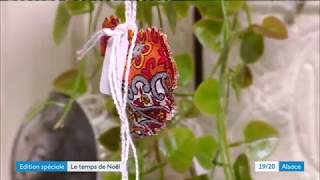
(38, 141)
(197, 51)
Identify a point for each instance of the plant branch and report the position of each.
(248, 13)
(158, 158)
(68, 106)
(97, 15)
(221, 117)
(215, 68)
(66, 111)
(155, 167)
(141, 159)
(89, 24)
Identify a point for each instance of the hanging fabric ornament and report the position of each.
(152, 79)
(140, 75)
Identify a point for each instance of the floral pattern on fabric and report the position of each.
(152, 79)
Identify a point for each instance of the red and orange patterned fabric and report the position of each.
(152, 79)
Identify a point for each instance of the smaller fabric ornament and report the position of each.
(152, 79)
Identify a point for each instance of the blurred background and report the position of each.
(285, 90)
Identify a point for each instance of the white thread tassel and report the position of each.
(112, 73)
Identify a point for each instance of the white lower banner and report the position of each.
(94, 166)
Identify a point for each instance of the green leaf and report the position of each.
(210, 9)
(147, 12)
(169, 10)
(252, 47)
(61, 23)
(140, 14)
(244, 76)
(144, 12)
(242, 168)
(271, 27)
(111, 107)
(185, 68)
(187, 109)
(261, 139)
(262, 149)
(120, 12)
(110, 139)
(112, 176)
(200, 177)
(257, 130)
(234, 7)
(71, 83)
(208, 32)
(207, 97)
(182, 9)
(206, 148)
(213, 9)
(241, 78)
(79, 7)
(178, 145)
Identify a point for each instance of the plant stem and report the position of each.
(225, 154)
(68, 106)
(97, 67)
(158, 158)
(96, 17)
(89, 24)
(66, 111)
(155, 167)
(215, 68)
(248, 13)
(141, 160)
(184, 94)
(221, 117)
(226, 23)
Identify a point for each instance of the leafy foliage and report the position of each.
(242, 168)
(205, 150)
(71, 83)
(261, 139)
(188, 109)
(208, 33)
(61, 23)
(120, 12)
(63, 16)
(185, 66)
(79, 7)
(182, 8)
(271, 27)
(252, 47)
(179, 148)
(213, 9)
(169, 10)
(112, 176)
(207, 97)
(257, 130)
(110, 139)
(241, 78)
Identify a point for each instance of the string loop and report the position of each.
(115, 62)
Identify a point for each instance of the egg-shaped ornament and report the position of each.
(152, 79)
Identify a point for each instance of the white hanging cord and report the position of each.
(115, 61)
